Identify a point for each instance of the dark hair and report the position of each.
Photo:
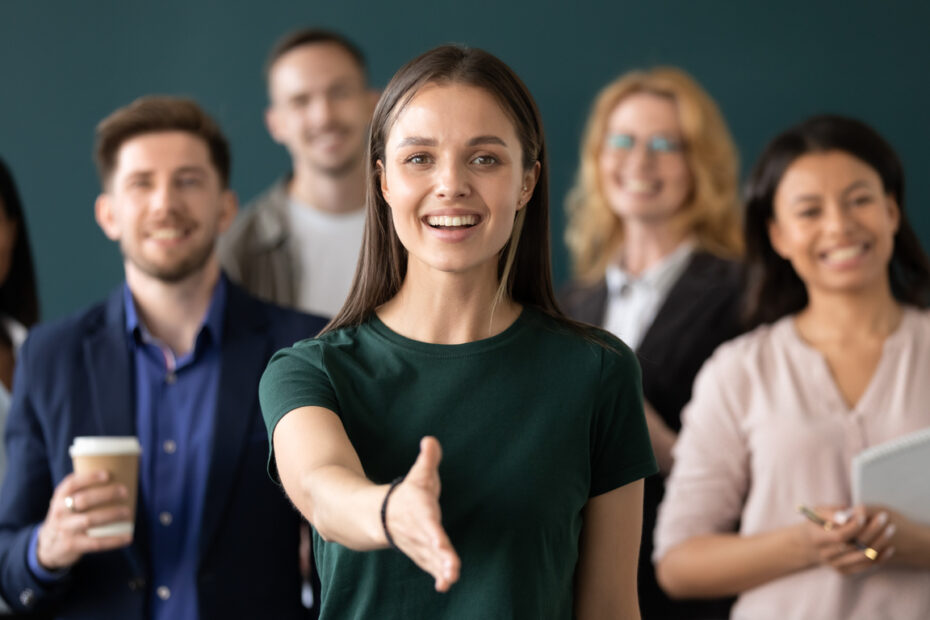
(312, 36)
(773, 288)
(18, 295)
(153, 114)
(524, 268)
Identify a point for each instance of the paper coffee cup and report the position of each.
(120, 457)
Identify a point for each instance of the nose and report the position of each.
(451, 180)
(320, 111)
(164, 198)
(838, 218)
(640, 156)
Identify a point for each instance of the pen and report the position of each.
(829, 525)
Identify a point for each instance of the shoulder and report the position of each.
(282, 324)
(719, 272)
(580, 348)
(70, 330)
(262, 218)
(754, 356)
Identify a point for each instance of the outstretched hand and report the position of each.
(415, 521)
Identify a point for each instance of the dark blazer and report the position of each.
(75, 377)
(701, 311)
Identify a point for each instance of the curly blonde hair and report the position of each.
(595, 233)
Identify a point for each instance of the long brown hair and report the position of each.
(711, 213)
(524, 269)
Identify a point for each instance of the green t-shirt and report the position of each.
(532, 422)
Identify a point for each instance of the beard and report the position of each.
(178, 269)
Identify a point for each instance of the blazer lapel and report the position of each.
(688, 291)
(109, 369)
(243, 360)
(111, 384)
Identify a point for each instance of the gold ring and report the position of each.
(69, 503)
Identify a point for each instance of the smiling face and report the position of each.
(165, 205)
(453, 177)
(834, 222)
(320, 107)
(643, 171)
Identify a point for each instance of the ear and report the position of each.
(894, 211)
(530, 178)
(105, 214)
(776, 238)
(272, 123)
(382, 179)
(229, 208)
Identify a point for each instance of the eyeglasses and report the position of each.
(653, 144)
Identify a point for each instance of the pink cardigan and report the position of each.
(767, 430)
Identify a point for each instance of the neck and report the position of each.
(332, 193)
(173, 311)
(646, 244)
(447, 308)
(831, 318)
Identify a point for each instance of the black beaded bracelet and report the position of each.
(384, 504)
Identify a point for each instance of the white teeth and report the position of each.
(452, 221)
(163, 234)
(844, 254)
(639, 185)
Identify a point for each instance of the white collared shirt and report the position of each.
(633, 302)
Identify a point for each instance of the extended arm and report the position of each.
(323, 476)
(605, 585)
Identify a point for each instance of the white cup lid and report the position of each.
(85, 446)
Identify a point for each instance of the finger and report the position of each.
(448, 569)
(73, 482)
(79, 523)
(91, 544)
(875, 528)
(91, 497)
(426, 468)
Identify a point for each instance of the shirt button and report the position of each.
(27, 597)
(170, 378)
(165, 518)
(163, 593)
(169, 447)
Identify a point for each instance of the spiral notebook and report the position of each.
(895, 474)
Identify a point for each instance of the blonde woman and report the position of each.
(653, 231)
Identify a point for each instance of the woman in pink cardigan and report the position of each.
(840, 361)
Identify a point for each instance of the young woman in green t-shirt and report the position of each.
(453, 294)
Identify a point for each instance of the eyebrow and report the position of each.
(476, 141)
(856, 185)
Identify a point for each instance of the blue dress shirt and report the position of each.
(175, 412)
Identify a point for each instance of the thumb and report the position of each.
(426, 466)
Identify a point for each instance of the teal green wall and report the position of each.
(66, 64)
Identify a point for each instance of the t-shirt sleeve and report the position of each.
(621, 451)
(295, 378)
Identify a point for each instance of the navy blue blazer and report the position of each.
(75, 377)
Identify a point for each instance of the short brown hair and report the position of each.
(152, 114)
(313, 36)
